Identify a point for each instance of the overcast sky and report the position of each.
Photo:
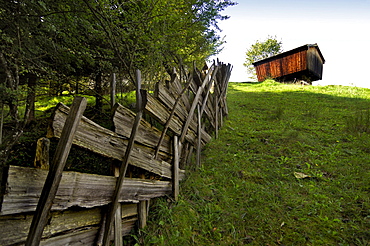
(340, 28)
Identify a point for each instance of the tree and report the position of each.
(261, 50)
(67, 40)
(149, 35)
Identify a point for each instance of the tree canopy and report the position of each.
(64, 41)
(261, 50)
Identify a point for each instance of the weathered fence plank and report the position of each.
(158, 111)
(147, 135)
(113, 84)
(81, 199)
(164, 95)
(24, 187)
(55, 173)
(196, 101)
(14, 229)
(85, 237)
(107, 143)
(114, 205)
(143, 207)
(176, 88)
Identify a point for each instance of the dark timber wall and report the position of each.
(302, 63)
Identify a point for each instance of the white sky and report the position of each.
(340, 28)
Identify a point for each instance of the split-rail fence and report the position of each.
(48, 206)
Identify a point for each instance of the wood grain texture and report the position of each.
(107, 143)
(165, 97)
(147, 135)
(161, 113)
(80, 226)
(24, 187)
(54, 176)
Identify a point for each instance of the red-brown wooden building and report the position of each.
(302, 63)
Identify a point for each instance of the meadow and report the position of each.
(291, 166)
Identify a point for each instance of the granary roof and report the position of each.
(286, 53)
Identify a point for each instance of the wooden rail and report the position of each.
(90, 209)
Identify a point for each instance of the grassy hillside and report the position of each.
(291, 167)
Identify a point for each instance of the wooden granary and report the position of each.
(302, 63)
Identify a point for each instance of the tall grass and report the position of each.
(291, 167)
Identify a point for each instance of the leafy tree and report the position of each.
(71, 40)
(149, 35)
(261, 50)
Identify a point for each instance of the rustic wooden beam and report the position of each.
(117, 219)
(55, 174)
(147, 135)
(199, 149)
(173, 102)
(175, 179)
(184, 99)
(109, 144)
(216, 118)
(118, 226)
(14, 228)
(122, 172)
(143, 213)
(24, 186)
(195, 103)
(167, 98)
(173, 111)
(159, 112)
(113, 84)
(82, 237)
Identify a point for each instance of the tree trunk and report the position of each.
(12, 83)
(1, 122)
(99, 93)
(29, 114)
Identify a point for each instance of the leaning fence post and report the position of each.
(199, 135)
(175, 179)
(113, 90)
(216, 119)
(122, 172)
(143, 213)
(50, 188)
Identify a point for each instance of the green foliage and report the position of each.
(73, 43)
(248, 190)
(261, 50)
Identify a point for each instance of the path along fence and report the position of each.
(49, 206)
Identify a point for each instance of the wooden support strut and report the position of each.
(55, 174)
(170, 118)
(175, 179)
(123, 168)
(199, 135)
(195, 102)
(113, 84)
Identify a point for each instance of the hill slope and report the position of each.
(291, 167)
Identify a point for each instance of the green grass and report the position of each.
(246, 191)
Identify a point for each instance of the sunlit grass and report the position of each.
(45, 103)
(247, 191)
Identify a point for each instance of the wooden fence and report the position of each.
(56, 207)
